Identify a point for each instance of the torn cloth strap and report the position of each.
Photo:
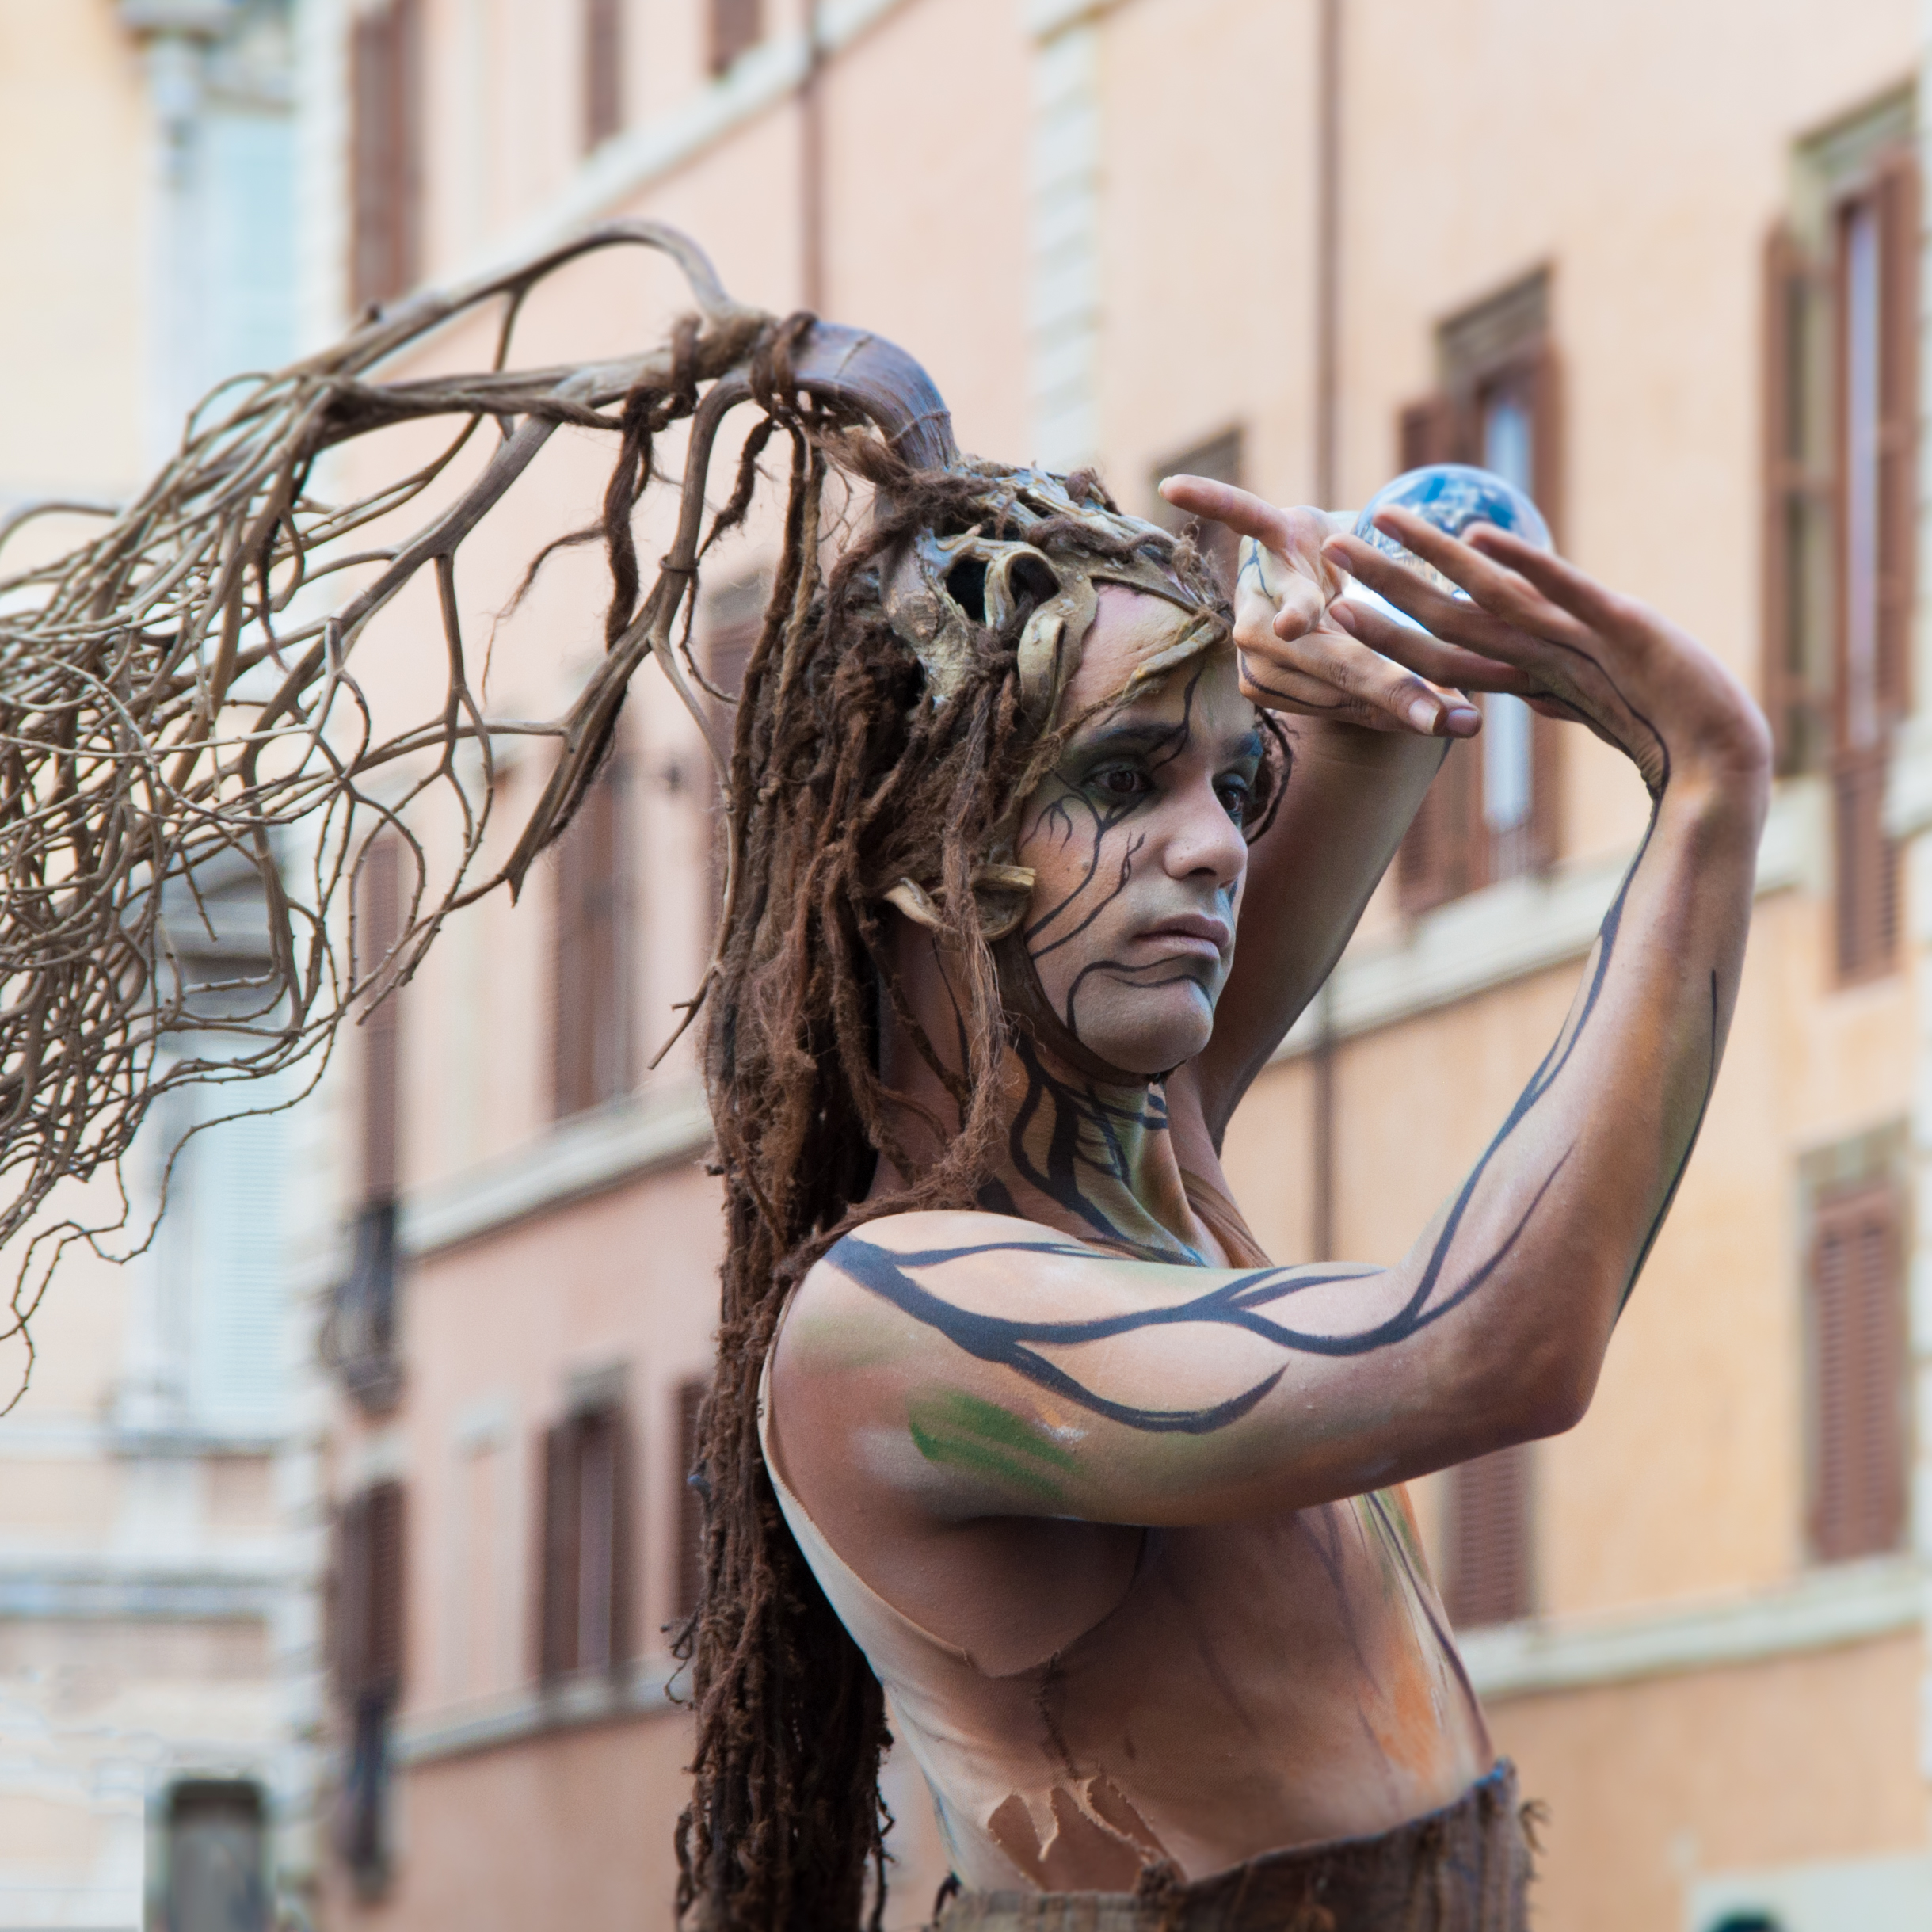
(1463, 1868)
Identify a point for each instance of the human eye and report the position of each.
(1119, 783)
(1237, 795)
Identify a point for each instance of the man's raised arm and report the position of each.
(1004, 1369)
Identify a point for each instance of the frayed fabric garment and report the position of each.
(1463, 1868)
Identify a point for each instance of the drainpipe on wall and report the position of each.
(812, 164)
(1328, 488)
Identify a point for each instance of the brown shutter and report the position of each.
(1859, 1389)
(385, 91)
(591, 1011)
(604, 53)
(1488, 1571)
(1796, 503)
(1222, 459)
(1544, 386)
(379, 926)
(349, 1596)
(1897, 194)
(387, 1558)
(737, 25)
(1865, 884)
(558, 1552)
(690, 1512)
(367, 1595)
(1426, 432)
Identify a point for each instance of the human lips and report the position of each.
(1199, 934)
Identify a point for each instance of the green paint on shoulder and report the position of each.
(949, 1428)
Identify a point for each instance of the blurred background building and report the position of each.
(1662, 264)
(158, 1584)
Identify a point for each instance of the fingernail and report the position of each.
(1422, 714)
(1462, 721)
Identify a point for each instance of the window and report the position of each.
(367, 1649)
(1858, 1434)
(591, 1029)
(584, 1585)
(1492, 812)
(1486, 1573)
(1841, 304)
(216, 1852)
(385, 161)
(1220, 459)
(690, 1512)
(737, 25)
(604, 84)
(362, 1336)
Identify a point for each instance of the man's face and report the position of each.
(1136, 843)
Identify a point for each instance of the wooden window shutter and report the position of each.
(1796, 510)
(1896, 196)
(604, 53)
(1426, 432)
(367, 1598)
(591, 1007)
(1859, 1387)
(385, 161)
(558, 1552)
(1876, 312)
(1222, 460)
(690, 1512)
(379, 926)
(1488, 1578)
(387, 1558)
(585, 1592)
(736, 26)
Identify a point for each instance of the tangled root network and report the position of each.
(182, 728)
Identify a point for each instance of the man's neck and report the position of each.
(1095, 1160)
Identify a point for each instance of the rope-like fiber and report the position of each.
(181, 702)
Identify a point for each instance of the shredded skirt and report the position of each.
(1463, 1868)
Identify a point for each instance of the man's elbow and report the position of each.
(1551, 1390)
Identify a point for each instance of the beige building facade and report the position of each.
(1660, 263)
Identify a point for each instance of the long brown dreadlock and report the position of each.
(842, 782)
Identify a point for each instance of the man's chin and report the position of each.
(1152, 1043)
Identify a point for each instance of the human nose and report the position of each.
(1206, 839)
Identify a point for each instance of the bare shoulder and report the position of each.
(863, 1301)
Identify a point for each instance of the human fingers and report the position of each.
(1491, 583)
(1241, 510)
(1604, 675)
(1450, 619)
(1447, 666)
(1383, 691)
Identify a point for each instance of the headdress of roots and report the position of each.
(182, 705)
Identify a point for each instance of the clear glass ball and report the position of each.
(1452, 496)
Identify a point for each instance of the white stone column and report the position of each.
(1063, 314)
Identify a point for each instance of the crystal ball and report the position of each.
(1452, 496)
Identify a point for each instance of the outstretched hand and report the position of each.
(1528, 623)
(1298, 652)
(1531, 624)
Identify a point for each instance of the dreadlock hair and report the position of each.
(841, 782)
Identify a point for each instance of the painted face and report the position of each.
(1136, 846)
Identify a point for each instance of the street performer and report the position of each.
(1043, 849)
